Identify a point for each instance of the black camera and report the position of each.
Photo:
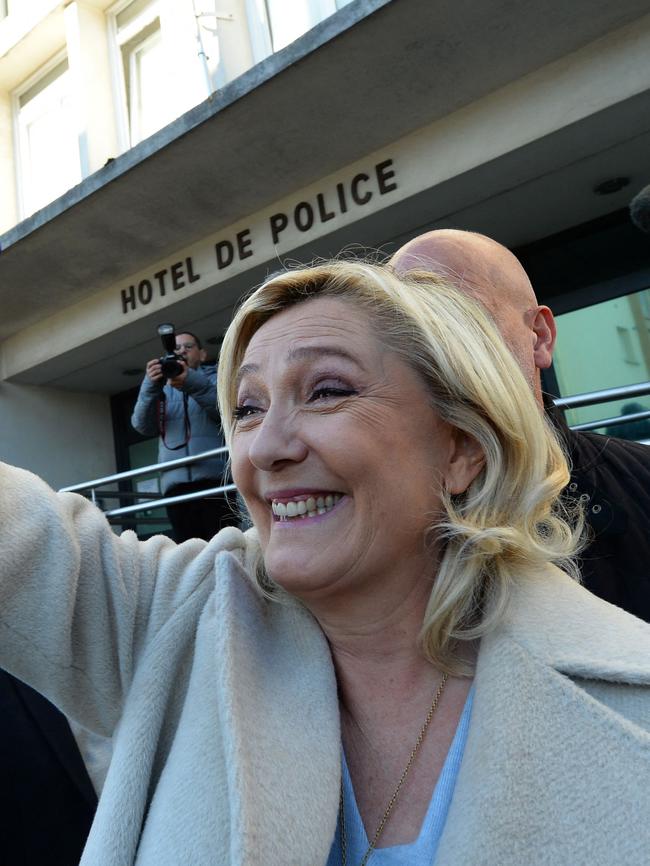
(169, 363)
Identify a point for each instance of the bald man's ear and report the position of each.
(543, 327)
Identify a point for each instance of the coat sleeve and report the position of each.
(145, 418)
(78, 604)
(201, 386)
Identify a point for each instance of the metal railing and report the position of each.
(607, 395)
(151, 501)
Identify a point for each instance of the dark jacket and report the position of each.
(200, 386)
(612, 478)
(47, 801)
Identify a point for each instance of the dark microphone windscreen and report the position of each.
(640, 210)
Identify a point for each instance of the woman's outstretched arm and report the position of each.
(79, 604)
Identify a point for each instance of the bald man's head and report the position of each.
(488, 272)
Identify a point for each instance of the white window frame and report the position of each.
(21, 141)
(259, 23)
(117, 38)
(134, 106)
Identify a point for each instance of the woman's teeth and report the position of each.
(308, 507)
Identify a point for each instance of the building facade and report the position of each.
(159, 157)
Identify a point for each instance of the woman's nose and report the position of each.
(277, 442)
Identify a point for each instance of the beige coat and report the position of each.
(224, 711)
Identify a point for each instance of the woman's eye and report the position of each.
(324, 392)
(241, 412)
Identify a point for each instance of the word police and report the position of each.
(319, 209)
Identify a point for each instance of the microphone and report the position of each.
(640, 210)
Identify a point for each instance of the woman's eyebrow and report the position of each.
(245, 370)
(301, 353)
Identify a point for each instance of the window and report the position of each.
(4, 9)
(276, 23)
(605, 345)
(628, 348)
(142, 70)
(47, 139)
(644, 303)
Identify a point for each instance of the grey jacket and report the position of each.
(224, 712)
(201, 388)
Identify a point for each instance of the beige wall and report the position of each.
(234, 39)
(87, 49)
(65, 438)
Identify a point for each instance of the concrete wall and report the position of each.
(65, 438)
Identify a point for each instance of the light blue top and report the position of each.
(423, 851)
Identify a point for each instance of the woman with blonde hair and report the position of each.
(389, 667)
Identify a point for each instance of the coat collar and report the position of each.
(279, 707)
(558, 753)
(571, 630)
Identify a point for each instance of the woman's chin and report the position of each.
(299, 577)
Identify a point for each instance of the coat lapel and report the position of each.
(557, 761)
(280, 713)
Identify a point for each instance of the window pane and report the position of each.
(49, 146)
(42, 83)
(149, 74)
(288, 21)
(146, 71)
(606, 345)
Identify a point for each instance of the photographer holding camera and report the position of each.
(177, 402)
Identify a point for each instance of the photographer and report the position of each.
(184, 414)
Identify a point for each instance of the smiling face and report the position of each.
(339, 456)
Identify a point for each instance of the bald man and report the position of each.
(611, 476)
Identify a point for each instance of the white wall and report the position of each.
(64, 437)
(87, 50)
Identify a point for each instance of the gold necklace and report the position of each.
(396, 792)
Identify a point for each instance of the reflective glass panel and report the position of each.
(606, 345)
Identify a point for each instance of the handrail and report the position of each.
(170, 500)
(144, 470)
(605, 396)
(572, 402)
(153, 500)
(614, 421)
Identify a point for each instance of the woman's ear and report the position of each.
(465, 462)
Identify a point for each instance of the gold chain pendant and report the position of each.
(396, 792)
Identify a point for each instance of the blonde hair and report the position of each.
(509, 522)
